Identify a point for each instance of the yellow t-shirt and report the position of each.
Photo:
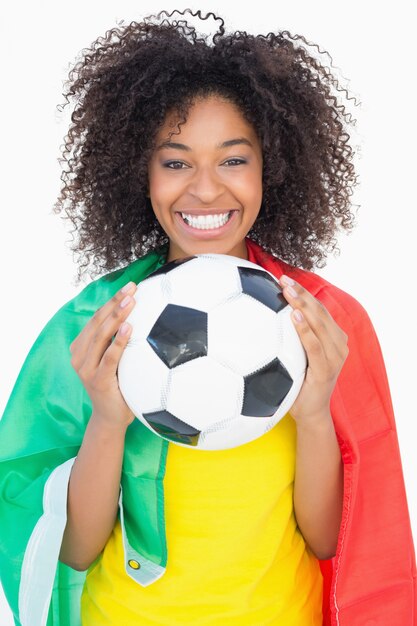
(235, 554)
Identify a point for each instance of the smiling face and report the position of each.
(205, 183)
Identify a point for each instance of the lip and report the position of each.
(208, 233)
(204, 212)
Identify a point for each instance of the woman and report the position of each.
(169, 130)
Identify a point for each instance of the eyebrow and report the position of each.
(225, 144)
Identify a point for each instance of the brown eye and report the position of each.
(234, 162)
(172, 165)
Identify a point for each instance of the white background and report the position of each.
(372, 46)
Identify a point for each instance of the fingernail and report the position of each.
(292, 292)
(125, 302)
(298, 316)
(127, 287)
(287, 280)
(124, 328)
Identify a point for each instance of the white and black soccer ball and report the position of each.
(213, 360)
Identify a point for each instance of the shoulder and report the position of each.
(343, 306)
(97, 292)
(72, 316)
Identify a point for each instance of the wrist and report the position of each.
(317, 421)
(106, 426)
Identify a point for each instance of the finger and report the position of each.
(111, 357)
(80, 345)
(316, 355)
(302, 297)
(102, 338)
(317, 316)
(325, 358)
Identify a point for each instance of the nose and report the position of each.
(206, 185)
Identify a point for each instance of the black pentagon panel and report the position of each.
(169, 426)
(266, 389)
(168, 267)
(262, 287)
(179, 335)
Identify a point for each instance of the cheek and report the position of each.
(250, 189)
(163, 189)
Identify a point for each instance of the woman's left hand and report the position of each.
(326, 346)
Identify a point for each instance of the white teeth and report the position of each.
(204, 222)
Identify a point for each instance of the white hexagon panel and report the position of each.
(248, 351)
(203, 392)
(138, 365)
(289, 347)
(150, 301)
(207, 291)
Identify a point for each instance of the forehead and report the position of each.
(209, 118)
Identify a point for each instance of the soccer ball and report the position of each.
(213, 360)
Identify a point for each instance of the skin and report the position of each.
(206, 178)
(203, 176)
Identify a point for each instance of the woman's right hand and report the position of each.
(95, 357)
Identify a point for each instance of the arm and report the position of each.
(93, 490)
(93, 493)
(318, 486)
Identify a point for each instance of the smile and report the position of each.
(205, 222)
(203, 226)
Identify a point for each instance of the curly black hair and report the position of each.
(129, 80)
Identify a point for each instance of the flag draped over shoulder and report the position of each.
(42, 428)
(370, 581)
